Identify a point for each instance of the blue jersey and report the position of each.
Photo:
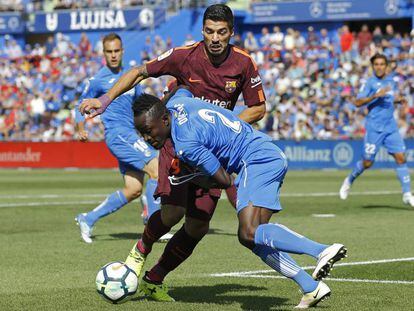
(119, 114)
(381, 110)
(208, 136)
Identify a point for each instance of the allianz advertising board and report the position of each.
(335, 154)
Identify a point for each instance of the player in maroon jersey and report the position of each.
(214, 71)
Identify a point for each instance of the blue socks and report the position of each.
(153, 205)
(404, 177)
(358, 169)
(273, 241)
(402, 173)
(283, 239)
(111, 204)
(117, 199)
(285, 265)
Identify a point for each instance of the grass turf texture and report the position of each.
(45, 266)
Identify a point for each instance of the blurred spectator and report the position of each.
(310, 81)
(347, 40)
(250, 43)
(85, 46)
(364, 38)
(189, 40)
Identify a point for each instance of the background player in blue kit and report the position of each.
(218, 143)
(379, 93)
(134, 155)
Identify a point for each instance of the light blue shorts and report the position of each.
(261, 178)
(373, 140)
(130, 149)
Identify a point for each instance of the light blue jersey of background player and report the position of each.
(218, 143)
(134, 156)
(379, 94)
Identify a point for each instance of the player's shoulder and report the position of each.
(188, 49)
(242, 57)
(100, 75)
(371, 80)
(181, 50)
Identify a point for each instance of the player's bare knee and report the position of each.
(131, 193)
(246, 236)
(399, 158)
(367, 164)
(152, 169)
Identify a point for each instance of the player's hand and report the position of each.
(91, 107)
(83, 136)
(382, 92)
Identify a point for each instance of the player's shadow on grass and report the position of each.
(136, 236)
(220, 232)
(225, 294)
(118, 236)
(396, 207)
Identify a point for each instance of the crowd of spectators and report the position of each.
(310, 80)
(30, 6)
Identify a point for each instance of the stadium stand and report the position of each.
(318, 73)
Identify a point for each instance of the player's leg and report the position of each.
(151, 204)
(396, 147)
(173, 205)
(199, 211)
(271, 242)
(232, 195)
(256, 234)
(132, 189)
(132, 154)
(372, 142)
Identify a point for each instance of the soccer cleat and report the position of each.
(344, 191)
(327, 259)
(135, 260)
(408, 199)
(157, 292)
(85, 229)
(311, 299)
(165, 238)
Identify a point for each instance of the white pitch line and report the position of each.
(254, 276)
(334, 194)
(357, 263)
(48, 203)
(288, 195)
(51, 196)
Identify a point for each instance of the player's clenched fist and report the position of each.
(94, 106)
(83, 136)
(90, 106)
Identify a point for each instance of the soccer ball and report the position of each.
(116, 282)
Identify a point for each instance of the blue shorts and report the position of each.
(261, 178)
(373, 140)
(130, 149)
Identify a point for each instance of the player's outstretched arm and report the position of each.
(365, 100)
(96, 106)
(222, 179)
(253, 114)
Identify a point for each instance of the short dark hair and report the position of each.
(378, 55)
(219, 13)
(110, 37)
(146, 103)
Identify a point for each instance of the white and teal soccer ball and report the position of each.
(116, 282)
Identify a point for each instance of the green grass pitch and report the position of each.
(45, 266)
